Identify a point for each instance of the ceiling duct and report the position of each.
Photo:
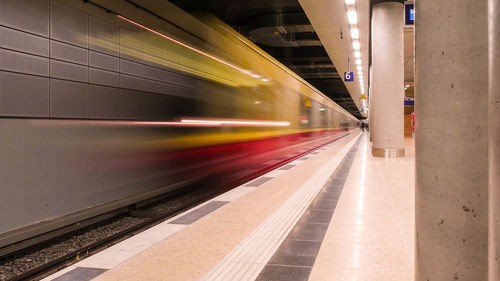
(284, 30)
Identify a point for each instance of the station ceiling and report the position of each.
(281, 28)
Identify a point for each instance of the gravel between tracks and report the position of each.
(19, 263)
(39, 255)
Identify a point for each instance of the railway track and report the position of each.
(46, 257)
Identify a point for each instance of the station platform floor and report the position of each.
(335, 214)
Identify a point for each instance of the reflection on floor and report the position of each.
(371, 236)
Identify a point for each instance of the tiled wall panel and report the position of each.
(57, 61)
(69, 53)
(104, 102)
(104, 77)
(68, 99)
(23, 42)
(68, 71)
(68, 25)
(28, 15)
(24, 95)
(104, 36)
(104, 61)
(20, 62)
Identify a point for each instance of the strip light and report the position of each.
(192, 123)
(222, 122)
(189, 47)
(355, 33)
(179, 123)
(352, 17)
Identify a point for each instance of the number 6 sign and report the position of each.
(348, 76)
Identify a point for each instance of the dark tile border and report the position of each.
(287, 167)
(80, 274)
(294, 259)
(259, 181)
(197, 214)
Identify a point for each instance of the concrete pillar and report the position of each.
(451, 140)
(494, 139)
(387, 98)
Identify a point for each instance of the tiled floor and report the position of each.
(371, 236)
(298, 252)
(236, 241)
(359, 226)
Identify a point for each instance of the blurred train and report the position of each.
(139, 99)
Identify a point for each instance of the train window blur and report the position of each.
(305, 112)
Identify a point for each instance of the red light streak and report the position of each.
(187, 46)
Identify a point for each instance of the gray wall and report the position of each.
(56, 61)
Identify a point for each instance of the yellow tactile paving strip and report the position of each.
(194, 251)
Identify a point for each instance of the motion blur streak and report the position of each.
(237, 122)
(183, 122)
(189, 47)
(171, 113)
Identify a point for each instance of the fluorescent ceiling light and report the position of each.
(356, 45)
(355, 33)
(352, 17)
(357, 54)
(349, 2)
(358, 62)
(360, 67)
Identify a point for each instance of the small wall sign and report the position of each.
(348, 76)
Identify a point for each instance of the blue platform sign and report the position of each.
(348, 76)
(409, 14)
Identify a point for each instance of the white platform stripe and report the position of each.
(248, 259)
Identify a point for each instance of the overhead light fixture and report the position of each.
(355, 33)
(358, 62)
(349, 2)
(352, 17)
(357, 54)
(360, 67)
(356, 45)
